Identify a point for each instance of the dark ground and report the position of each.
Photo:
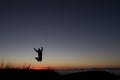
(27, 74)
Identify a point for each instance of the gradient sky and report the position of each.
(73, 33)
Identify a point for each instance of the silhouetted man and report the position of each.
(39, 51)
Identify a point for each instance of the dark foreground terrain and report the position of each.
(23, 74)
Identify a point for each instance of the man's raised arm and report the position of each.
(35, 50)
(41, 48)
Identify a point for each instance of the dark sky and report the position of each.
(79, 33)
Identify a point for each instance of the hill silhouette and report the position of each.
(27, 74)
(91, 75)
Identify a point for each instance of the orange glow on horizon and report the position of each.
(61, 67)
(70, 67)
(57, 66)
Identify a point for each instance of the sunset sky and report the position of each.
(73, 33)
